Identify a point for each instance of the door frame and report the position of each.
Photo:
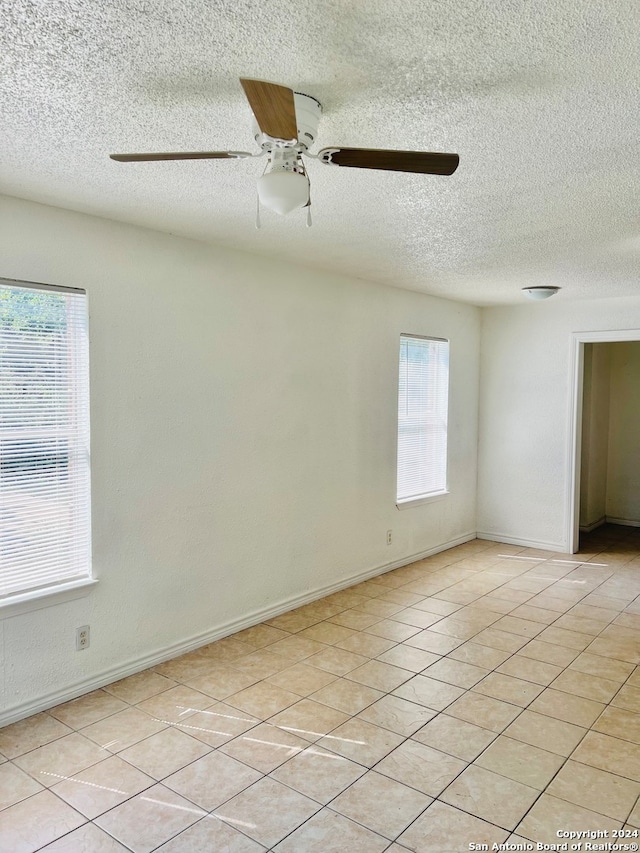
(579, 339)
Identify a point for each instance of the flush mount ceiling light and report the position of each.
(538, 293)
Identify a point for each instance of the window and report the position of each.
(423, 392)
(44, 438)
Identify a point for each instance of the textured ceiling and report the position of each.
(539, 97)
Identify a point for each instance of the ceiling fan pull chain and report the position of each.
(258, 212)
(309, 223)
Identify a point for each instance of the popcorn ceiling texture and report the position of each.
(539, 98)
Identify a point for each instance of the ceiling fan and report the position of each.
(285, 127)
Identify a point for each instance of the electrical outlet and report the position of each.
(389, 537)
(82, 638)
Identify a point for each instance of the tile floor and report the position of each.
(487, 694)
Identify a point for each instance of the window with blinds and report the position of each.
(423, 394)
(44, 438)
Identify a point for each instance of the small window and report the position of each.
(423, 393)
(44, 438)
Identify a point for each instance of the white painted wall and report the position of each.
(524, 441)
(623, 471)
(243, 440)
(595, 434)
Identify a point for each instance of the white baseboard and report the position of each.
(131, 667)
(587, 528)
(526, 543)
(625, 522)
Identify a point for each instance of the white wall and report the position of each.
(595, 434)
(524, 441)
(243, 441)
(623, 470)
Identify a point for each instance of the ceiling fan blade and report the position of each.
(273, 106)
(181, 155)
(422, 162)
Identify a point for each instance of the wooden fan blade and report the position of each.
(179, 155)
(273, 106)
(422, 162)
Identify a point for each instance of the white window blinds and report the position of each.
(423, 392)
(44, 438)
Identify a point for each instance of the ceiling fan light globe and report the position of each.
(541, 292)
(282, 191)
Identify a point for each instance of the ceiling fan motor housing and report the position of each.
(308, 112)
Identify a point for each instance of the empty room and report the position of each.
(319, 475)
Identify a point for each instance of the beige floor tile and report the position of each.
(502, 640)
(15, 785)
(367, 645)
(86, 839)
(437, 605)
(521, 762)
(355, 619)
(484, 711)
(565, 638)
(302, 679)
(406, 657)
(530, 670)
(328, 633)
(50, 763)
(430, 641)
(293, 622)
(318, 773)
(619, 723)
(398, 715)
(175, 704)
(548, 653)
(30, 824)
(137, 688)
(509, 689)
(261, 635)
(623, 650)
(123, 729)
(421, 767)
(453, 626)
(252, 811)
(634, 817)
(381, 804)
(337, 661)
(224, 650)
(593, 789)
(217, 724)
(477, 655)
(29, 734)
(456, 672)
(150, 818)
(87, 709)
(546, 732)
(416, 618)
(260, 664)
(221, 681)
(383, 609)
(347, 696)
(455, 737)
(212, 780)
(611, 754)
(211, 835)
(295, 648)
(361, 741)
(101, 787)
(263, 700)
(585, 685)
(393, 630)
(628, 698)
(563, 706)
(308, 719)
(265, 747)
(444, 829)
(162, 754)
(634, 679)
(550, 814)
(612, 670)
(379, 675)
(522, 627)
(491, 797)
(184, 667)
(581, 624)
(328, 832)
(535, 614)
(428, 692)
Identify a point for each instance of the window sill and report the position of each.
(428, 499)
(25, 602)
